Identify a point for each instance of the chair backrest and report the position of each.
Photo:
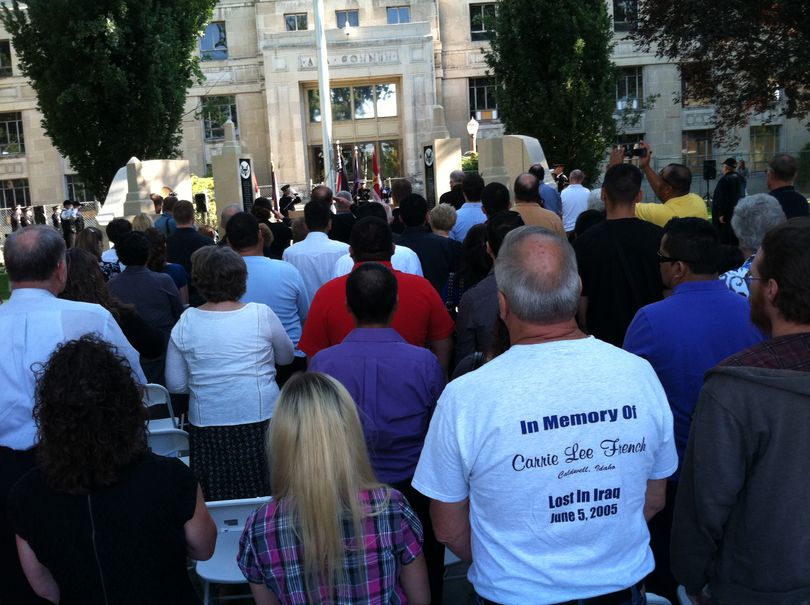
(156, 394)
(230, 515)
(167, 442)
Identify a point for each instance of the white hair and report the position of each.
(534, 294)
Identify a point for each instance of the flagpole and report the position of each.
(326, 97)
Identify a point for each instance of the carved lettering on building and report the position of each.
(380, 57)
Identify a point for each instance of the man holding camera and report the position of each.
(672, 186)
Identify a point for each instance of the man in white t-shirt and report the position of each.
(546, 480)
(574, 200)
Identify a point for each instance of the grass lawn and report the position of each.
(3, 284)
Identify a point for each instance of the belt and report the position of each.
(11, 453)
(613, 598)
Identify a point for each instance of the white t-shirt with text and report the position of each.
(553, 444)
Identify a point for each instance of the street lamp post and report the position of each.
(472, 130)
(325, 94)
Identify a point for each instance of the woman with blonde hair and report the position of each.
(332, 533)
(142, 222)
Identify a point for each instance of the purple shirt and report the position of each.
(395, 385)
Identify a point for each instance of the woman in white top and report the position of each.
(223, 354)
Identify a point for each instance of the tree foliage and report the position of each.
(556, 81)
(737, 55)
(111, 76)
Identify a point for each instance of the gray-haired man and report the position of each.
(32, 324)
(545, 480)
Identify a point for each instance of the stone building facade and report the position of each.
(390, 61)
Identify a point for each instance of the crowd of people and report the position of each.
(585, 395)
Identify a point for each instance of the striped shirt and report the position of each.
(270, 552)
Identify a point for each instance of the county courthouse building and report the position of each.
(390, 61)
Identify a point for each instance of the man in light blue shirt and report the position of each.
(275, 283)
(32, 324)
(165, 222)
(471, 213)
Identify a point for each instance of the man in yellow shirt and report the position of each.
(672, 186)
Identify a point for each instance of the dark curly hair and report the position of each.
(85, 283)
(475, 263)
(90, 419)
(157, 250)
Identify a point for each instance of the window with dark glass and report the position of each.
(481, 18)
(295, 22)
(691, 73)
(630, 89)
(14, 192)
(216, 111)
(76, 189)
(356, 102)
(697, 147)
(349, 17)
(398, 14)
(764, 142)
(12, 140)
(214, 44)
(482, 98)
(5, 58)
(625, 15)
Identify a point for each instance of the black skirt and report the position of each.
(230, 461)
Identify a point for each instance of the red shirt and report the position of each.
(421, 316)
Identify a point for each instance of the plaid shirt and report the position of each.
(270, 552)
(784, 353)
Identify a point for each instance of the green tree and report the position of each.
(742, 57)
(111, 76)
(556, 81)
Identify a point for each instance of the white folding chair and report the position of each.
(167, 441)
(654, 599)
(156, 394)
(454, 568)
(230, 517)
(683, 598)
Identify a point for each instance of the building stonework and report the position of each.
(394, 61)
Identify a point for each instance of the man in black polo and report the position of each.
(184, 242)
(438, 255)
(781, 174)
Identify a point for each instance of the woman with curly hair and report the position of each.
(101, 519)
(223, 354)
(85, 283)
(332, 533)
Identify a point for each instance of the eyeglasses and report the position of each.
(748, 278)
(669, 259)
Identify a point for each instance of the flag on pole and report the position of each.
(377, 189)
(356, 183)
(342, 179)
(275, 194)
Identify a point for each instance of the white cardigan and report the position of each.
(226, 361)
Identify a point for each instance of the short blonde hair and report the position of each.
(442, 217)
(142, 222)
(219, 273)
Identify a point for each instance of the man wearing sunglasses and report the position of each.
(682, 337)
(741, 524)
(672, 185)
